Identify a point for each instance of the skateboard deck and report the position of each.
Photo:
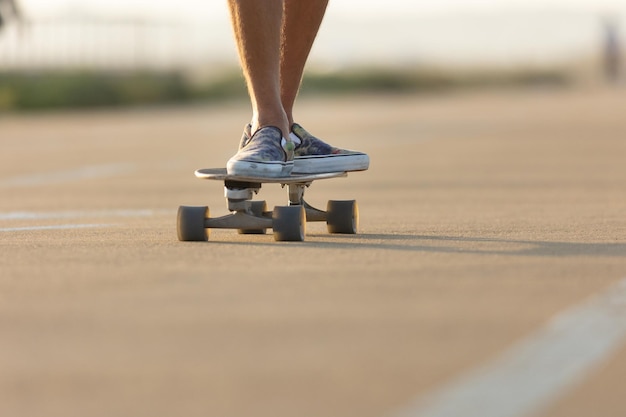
(251, 217)
(220, 174)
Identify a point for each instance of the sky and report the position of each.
(217, 8)
(386, 32)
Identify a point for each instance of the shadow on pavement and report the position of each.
(456, 244)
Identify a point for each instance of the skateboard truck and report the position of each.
(296, 198)
(238, 194)
(251, 217)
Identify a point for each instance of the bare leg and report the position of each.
(301, 23)
(274, 39)
(257, 27)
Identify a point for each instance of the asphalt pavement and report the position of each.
(484, 217)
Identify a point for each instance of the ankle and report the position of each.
(283, 129)
(278, 122)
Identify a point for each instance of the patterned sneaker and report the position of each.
(265, 154)
(314, 156)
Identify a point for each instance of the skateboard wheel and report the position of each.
(289, 223)
(257, 208)
(190, 224)
(342, 217)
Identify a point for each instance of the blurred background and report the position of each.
(77, 53)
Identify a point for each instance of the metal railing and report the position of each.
(112, 45)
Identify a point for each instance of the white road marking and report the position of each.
(53, 227)
(29, 215)
(78, 174)
(69, 215)
(539, 369)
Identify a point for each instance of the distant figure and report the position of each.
(8, 10)
(612, 52)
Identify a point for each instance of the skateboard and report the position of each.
(252, 217)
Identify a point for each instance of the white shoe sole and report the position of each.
(259, 169)
(318, 164)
